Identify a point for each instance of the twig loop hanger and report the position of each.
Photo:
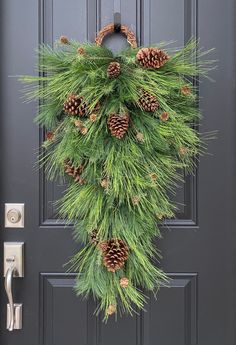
(111, 28)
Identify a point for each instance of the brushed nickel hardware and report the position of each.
(14, 255)
(13, 267)
(14, 215)
(17, 316)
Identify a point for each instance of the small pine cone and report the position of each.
(64, 40)
(94, 237)
(97, 107)
(148, 102)
(78, 123)
(84, 130)
(73, 171)
(104, 183)
(93, 117)
(115, 254)
(113, 69)
(118, 124)
(124, 282)
(153, 176)
(75, 105)
(81, 51)
(164, 116)
(69, 168)
(140, 136)
(183, 151)
(151, 57)
(50, 136)
(186, 90)
(136, 200)
(111, 309)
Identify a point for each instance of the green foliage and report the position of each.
(129, 164)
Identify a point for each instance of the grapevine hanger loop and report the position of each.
(117, 27)
(111, 28)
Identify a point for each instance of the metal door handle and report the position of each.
(8, 288)
(13, 267)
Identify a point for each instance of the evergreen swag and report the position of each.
(121, 128)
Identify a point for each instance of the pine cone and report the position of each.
(148, 102)
(93, 117)
(164, 116)
(94, 237)
(84, 130)
(78, 124)
(140, 136)
(186, 90)
(75, 105)
(115, 253)
(113, 69)
(64, 40)
(118, 124)
(124, 282)
(111, 309)
(50, 136)
(104, 183)
(81, 51)
(73, 171)
(136, 200)
(151, 57)
(183, 151)
(153, 176)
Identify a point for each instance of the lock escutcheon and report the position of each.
(14, 215)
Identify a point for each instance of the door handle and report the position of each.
(8, 288)
(13, 267)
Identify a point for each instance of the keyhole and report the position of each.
(14, 216)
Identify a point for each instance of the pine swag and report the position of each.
(120, 128)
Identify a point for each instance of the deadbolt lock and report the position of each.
(14, 215)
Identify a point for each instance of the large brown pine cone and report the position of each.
(75, 105)
(148, 102)
(115, 253)
(118, 124)
(151, 57)
(113, 69)
(73, 171)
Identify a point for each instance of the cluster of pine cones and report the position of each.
(118, 124)
(114, 251)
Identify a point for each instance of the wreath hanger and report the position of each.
(117, 22)
(117, 16)
(117, 27)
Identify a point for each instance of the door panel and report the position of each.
(198, 307)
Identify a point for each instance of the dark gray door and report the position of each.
(199, 246)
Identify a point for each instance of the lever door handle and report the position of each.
(8, 288)
(13, 267)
